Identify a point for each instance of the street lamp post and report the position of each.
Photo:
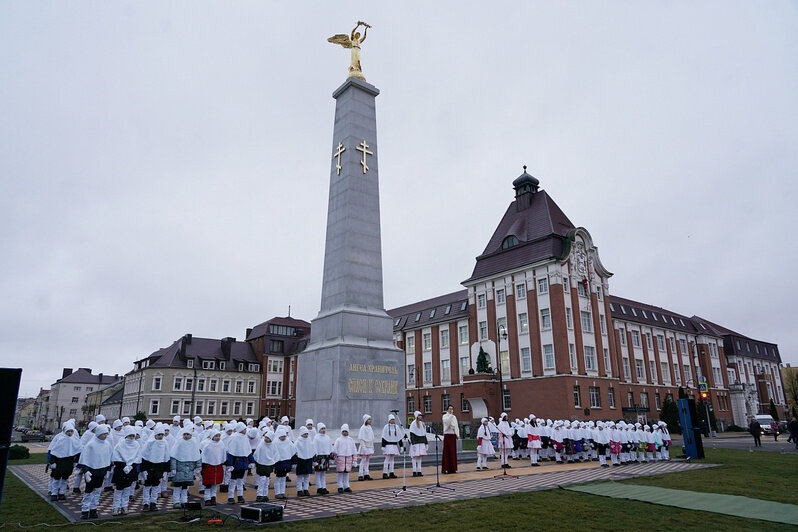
(501, 333)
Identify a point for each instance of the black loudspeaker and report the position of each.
(262, 512)
(193, 506)
(9, 390)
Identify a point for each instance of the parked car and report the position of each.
(21, 428)
(33, 435)
(764, 420)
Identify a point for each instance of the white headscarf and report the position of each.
(366, 432)
(392, 432)
(97, 453)
(127, 450)
(285, 448)
(238, 443)
(213, 452)
(156, 451)
(322, 442)
(304, 446)
(64, 445)
(417, 426)
(186, 450)
(266, 452)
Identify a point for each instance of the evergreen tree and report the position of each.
(774, 413)
(140, 416)
(483, 362)
(682, 394)
(670, 415)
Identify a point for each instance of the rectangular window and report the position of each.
(505, 361)
(254, 368)
(446, 374)
(444, 338)
(581, 288)
(688, 375)
(660, 342)
(154, 405)
(569, 320)
(595, 397)
(572, 353)
(577, 396)
(411, 343)
(676, 374)
(239, 387)
(189, 384)
(648, 340)
(74, 399)
(177, 384)
(186, 408)
(200, 385)
(611, 398)
(713, 350)
(225, 386)
(717, 376)
(507, 403)
(587, 321)
(598, 293)
(275, 365)
(427, 340)
(156, 383)
(76, 388)
(603, 324)
(483, 330)
(224, 408)
(237, 408)
(251, 387)
(222, 365)
(626, 370)
(630, 398)
(501, 324)
(566, 284)
(640, 370)
(275, 346)
(208, 364)
(175, 407)
(543, 285)
(657, 402)
(250, 408)
(411, 405)
(636, 338)
(73, 412)
(644, 399)
(526, 360)
(683, 346)
(607, 367)
(653, 370)
(190, 363)
(500, 296)
(548, 356)
(673, 345)
(411, 374)
(211, 408)
(213, 385)
(445, 401)
(523, 323)
(465, 365)
(666, 375)
(622, 334)
(520, 291)
(427, 371)
(464, 406)
(590, 358)
(428, 404)
(545, 319)
(481, 300)
(463, 333)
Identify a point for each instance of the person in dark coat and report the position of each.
(793, 428)
(756, 431)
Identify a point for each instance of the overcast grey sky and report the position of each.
(164, 165)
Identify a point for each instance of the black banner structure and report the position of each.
(9, 390)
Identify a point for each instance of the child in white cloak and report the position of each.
(185, 464)
(534, 440)
(656, 432)
(557, 441)
(62, 454)
(365, 440)
(94, 463)
(155, 461)
(305, 454)
(238, 459)
(85, 438)
(126, 460)
(505, 439)
(214, 455)
(666, 441)
(523, 438)
(322, 446)
(484, 445)
(344, 450)
(602, 441)
(286, 453)
(640, 436)
(418, 443)
(392, 435)
(170, 440)
(265, 457)
(615, 443)
(311, 430)
(651, 446)
(116, 432)
(227, 433)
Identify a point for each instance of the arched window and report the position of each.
(509, 242)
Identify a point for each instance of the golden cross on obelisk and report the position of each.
(363, 147)
(341, 149)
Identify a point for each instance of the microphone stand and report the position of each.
(404, 489)
(503, 454)
(437, 472)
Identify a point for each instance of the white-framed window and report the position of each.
(581, 289)
(526, 360)
(177, 384)
(74, 399)
(677, 374)
(446, 372)
(590, 358)
(275, 365)
(274, 387)
(652, 368)
(622, 334)
(598, 293)
(644, 399)
(240, 366)
(507, 403)
(688, 374)
(545, 319)
(444, 338)
(200, 385)
(543, 285)
(189, 384)
(566, 284)
(595, 396)
(603, 324)
(666, 374)
(198, 408)
(427, 371)
(611, 398)
(569, 319)
(427, 340)
(213, 385)
(465, 365)
(239, 386)
(500, 296)
(718, 377)
(222, 365)
(411, 374)
(648, 340)
(672, 341)
(572, 355)
(483, 330)
(481, 300)
(577, 396)
(411, 342)
(224, 408)
(76, 388)
(626, 368)
(175, 407)
(660, 342)
(250, 387)
(236, 408)
(636, 338)
(226, 386)
(254, 368)
(713, 350)
(520, 291)
(587, 321)
(73, 412)
(607, 367)
(156, 383)
(155, 405)
(548, 356)
(463, 333)
(190, 363)
(640, 370)
(250, 408)
(211, 408)
(427, 404)
(208, 364)
(683, 346)
(505, 360)
(523, 323)
(186, 408)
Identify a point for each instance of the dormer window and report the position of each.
(190, 363)
(509, 242)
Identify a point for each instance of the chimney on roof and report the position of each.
(67, 373)
(100, 378)
(249, 331)
(226, 343)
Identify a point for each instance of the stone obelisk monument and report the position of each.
(351, 366)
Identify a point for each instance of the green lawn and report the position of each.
(762, 475)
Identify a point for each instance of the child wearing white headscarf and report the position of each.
(602, 439)
(265, 457)
(185, 464)
(534, 439)
(305, 453)
(238, 458)
(62, 453)
(505, 439)
(484, 445)
(126, 459)
(365, 440)
(94, 463)
(322, 446)
(558, 441)
(155, 462)
(344, 451)
(418, 443)
(286, 451)
(392, 435)
(214, 455)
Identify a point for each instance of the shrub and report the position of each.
(736, 428)
(18, 452)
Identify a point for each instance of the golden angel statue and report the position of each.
(353, 41)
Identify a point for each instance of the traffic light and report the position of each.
(703, 395)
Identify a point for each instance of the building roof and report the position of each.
(84, 376)
(748, 347)
(116, 398)
(630, 310)
(541, 230)
(421, 314)
(262, 329)
(190, 347)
